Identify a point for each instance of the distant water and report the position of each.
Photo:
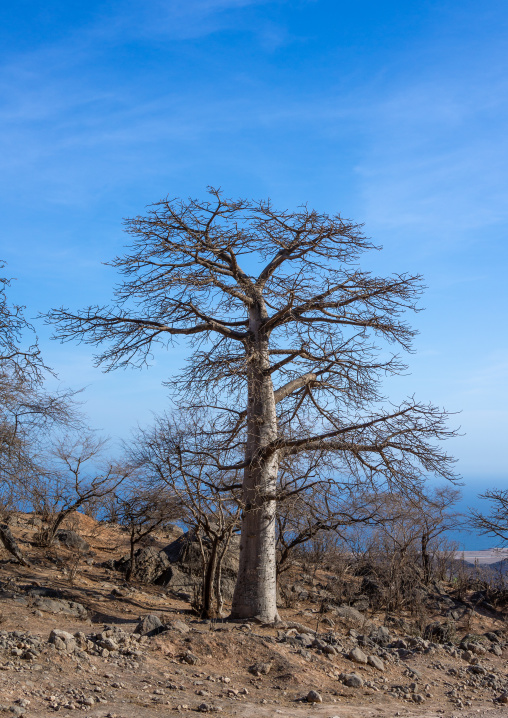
(469, 540)
(472, 541)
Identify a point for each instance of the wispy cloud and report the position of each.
(436, 159)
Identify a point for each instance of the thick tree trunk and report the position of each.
(256, 586)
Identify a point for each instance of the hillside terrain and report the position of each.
(75, 637)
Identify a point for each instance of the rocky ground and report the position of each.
(74, 637)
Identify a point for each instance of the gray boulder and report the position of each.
(150, 566)
(349, 614)
(358, 656)
(184, 555)
(70, 539)
(178, 566)
(353, 680)
(52, 605)
(381, 635)
(376, 662)
(440, 632)
(314, 697)
(149, 625)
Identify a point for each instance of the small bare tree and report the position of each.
(78, 474)
(284, 326)
(209, 501)
(143, 508)
(494, 523)
(27, 411)
(403, 547)
(315, 512)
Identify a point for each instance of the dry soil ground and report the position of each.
(102, 669)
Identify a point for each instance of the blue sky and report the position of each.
(393, 113)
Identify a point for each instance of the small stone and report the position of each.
(180, 626)
(376, 662)
(314, 697)
(62, 640)
(148, 625)
(353, 680)
(190, 658)
(503, 698)
(358, 656)
(330, 650)
(260, 669)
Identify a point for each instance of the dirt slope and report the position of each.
(101, 668)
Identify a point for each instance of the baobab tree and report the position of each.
(282, 322)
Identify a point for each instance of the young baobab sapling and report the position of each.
(282, 321)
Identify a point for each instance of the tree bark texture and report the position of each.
(256, 588)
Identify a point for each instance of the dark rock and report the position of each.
(439, 632)
(305, 639)
(178, 567)
(361, 603)
(208, 708)
(70, 539)
(477, 597)
(493, 638)
(150, 566)
(190, 658)
(184, 555)
(371, 588)
(381, 636)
